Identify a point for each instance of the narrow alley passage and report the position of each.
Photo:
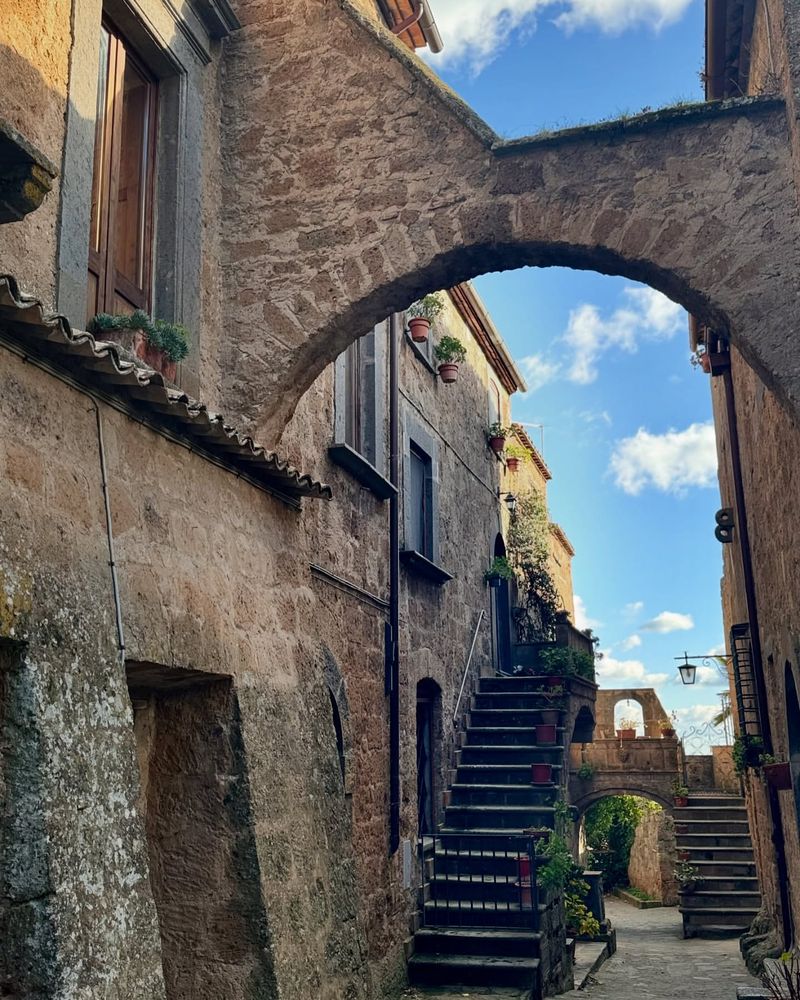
(652, 962)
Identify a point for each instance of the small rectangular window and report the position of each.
(120, 235)
(360, 397)
(420, 503)
(494, 403)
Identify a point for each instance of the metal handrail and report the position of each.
(469, 661)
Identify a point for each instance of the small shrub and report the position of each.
(585, 772)
(450, 351)
(171, 338)
(500, 567)
(428, 307)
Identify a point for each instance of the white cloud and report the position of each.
(647, 315)
(670, 462)
(582, 619)
(633, 609)
(632, 642)
(603, 417)
(612, 672)
(538, 371)
(669, 621)
(475, 31)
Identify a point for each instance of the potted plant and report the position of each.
(450, 353)
(627, 729)
(515, 454)
(746, 753)
(683, 855)
(159, 344)
(667, 726)
(778, 773)
(585, 772)
(496, 435)
(550, 716)
(499, 570)
(541, 774)
(421, 314)
(687, 876)
(701, 359)
(544, 735)
(680, 794)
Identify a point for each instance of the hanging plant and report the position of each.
(516, 454)
(422, 313)
(450, 353)
(500, 570)
(496, 436)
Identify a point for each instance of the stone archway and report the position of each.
(338, 217)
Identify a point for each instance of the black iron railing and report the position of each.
(479, 880)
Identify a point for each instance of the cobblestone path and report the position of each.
(653, 961)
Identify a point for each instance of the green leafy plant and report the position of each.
(610, 827)
(686, 874)
(628, 723)
(428, 307)
(497, 430)
(554, 874)
(515, 450)
(562, 661)
(639, 893)
(171, 338)
(679, 790)
(500, 567)
(746, 752)
(585, 772)
(580, 920)
(450, 351)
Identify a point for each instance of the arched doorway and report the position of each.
(502, 612)
(429, 719)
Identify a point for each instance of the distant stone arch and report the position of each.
(642, 790)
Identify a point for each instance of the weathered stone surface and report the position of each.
(653, 857)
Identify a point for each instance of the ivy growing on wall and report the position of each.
(528, 549)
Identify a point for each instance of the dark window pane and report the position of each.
(368, 402)
(99, 179)
(352, 429)
(131, 196)
(420, 520)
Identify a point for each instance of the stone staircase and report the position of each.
(713, 829)
(479, 928)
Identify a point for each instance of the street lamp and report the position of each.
(510, 500)
(688, 671)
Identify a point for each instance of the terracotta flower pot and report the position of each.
(420, 328)
(545, 736)
(448, 372)
(681, 801)
(497, 444)
(549, 716)
(512, 464)
(668, 734)
(778, 775)
(137, 343)
(626, 734)
(683, 855)
(524, 868)
(541, 774)
(705, 363)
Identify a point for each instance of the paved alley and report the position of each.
(653, 960)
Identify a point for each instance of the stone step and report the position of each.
(525, 700)
(692, 814)
(464, 941)
(727, 869)
(445, 969)
(715, 800)
(523, 718)
(705, 897)
(736, 918)
(473, 794)
(492, 890)
(697, 855)
(497, 774)
(498, 754)
(476, 862)
(727, 826)
(499, 817)
(721, 883)
(454, 913)
(505, 735)
(486, 839)
(706, 841)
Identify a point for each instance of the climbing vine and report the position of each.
(610, 827)
(529, 549)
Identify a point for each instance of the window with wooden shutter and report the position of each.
(120, 238)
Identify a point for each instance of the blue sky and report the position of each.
(626, 418)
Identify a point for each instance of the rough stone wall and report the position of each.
(770, 446)
(35, 40)
(725, 777)
(699, 771)
(653, 857)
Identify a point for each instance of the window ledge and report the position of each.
(421, 356)
(359, 468)
(422, 566)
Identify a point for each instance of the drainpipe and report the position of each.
(395, 332)
(755, 645)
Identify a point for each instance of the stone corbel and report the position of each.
(26, 175)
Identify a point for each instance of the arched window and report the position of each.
(629, 711)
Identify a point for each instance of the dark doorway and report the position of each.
(429, 698)
(502, 613)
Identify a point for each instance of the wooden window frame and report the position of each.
(101, 262)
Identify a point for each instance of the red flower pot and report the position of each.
(545, 736)
(779, 775)
(705, 363)
(541, 774)
(524, 867)
(626, 734)
(667, 734)
(420, 328)
(497, 444)
(681, 801)
(553, 682)
(448, 372)
(512, 464)
(683, 855)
